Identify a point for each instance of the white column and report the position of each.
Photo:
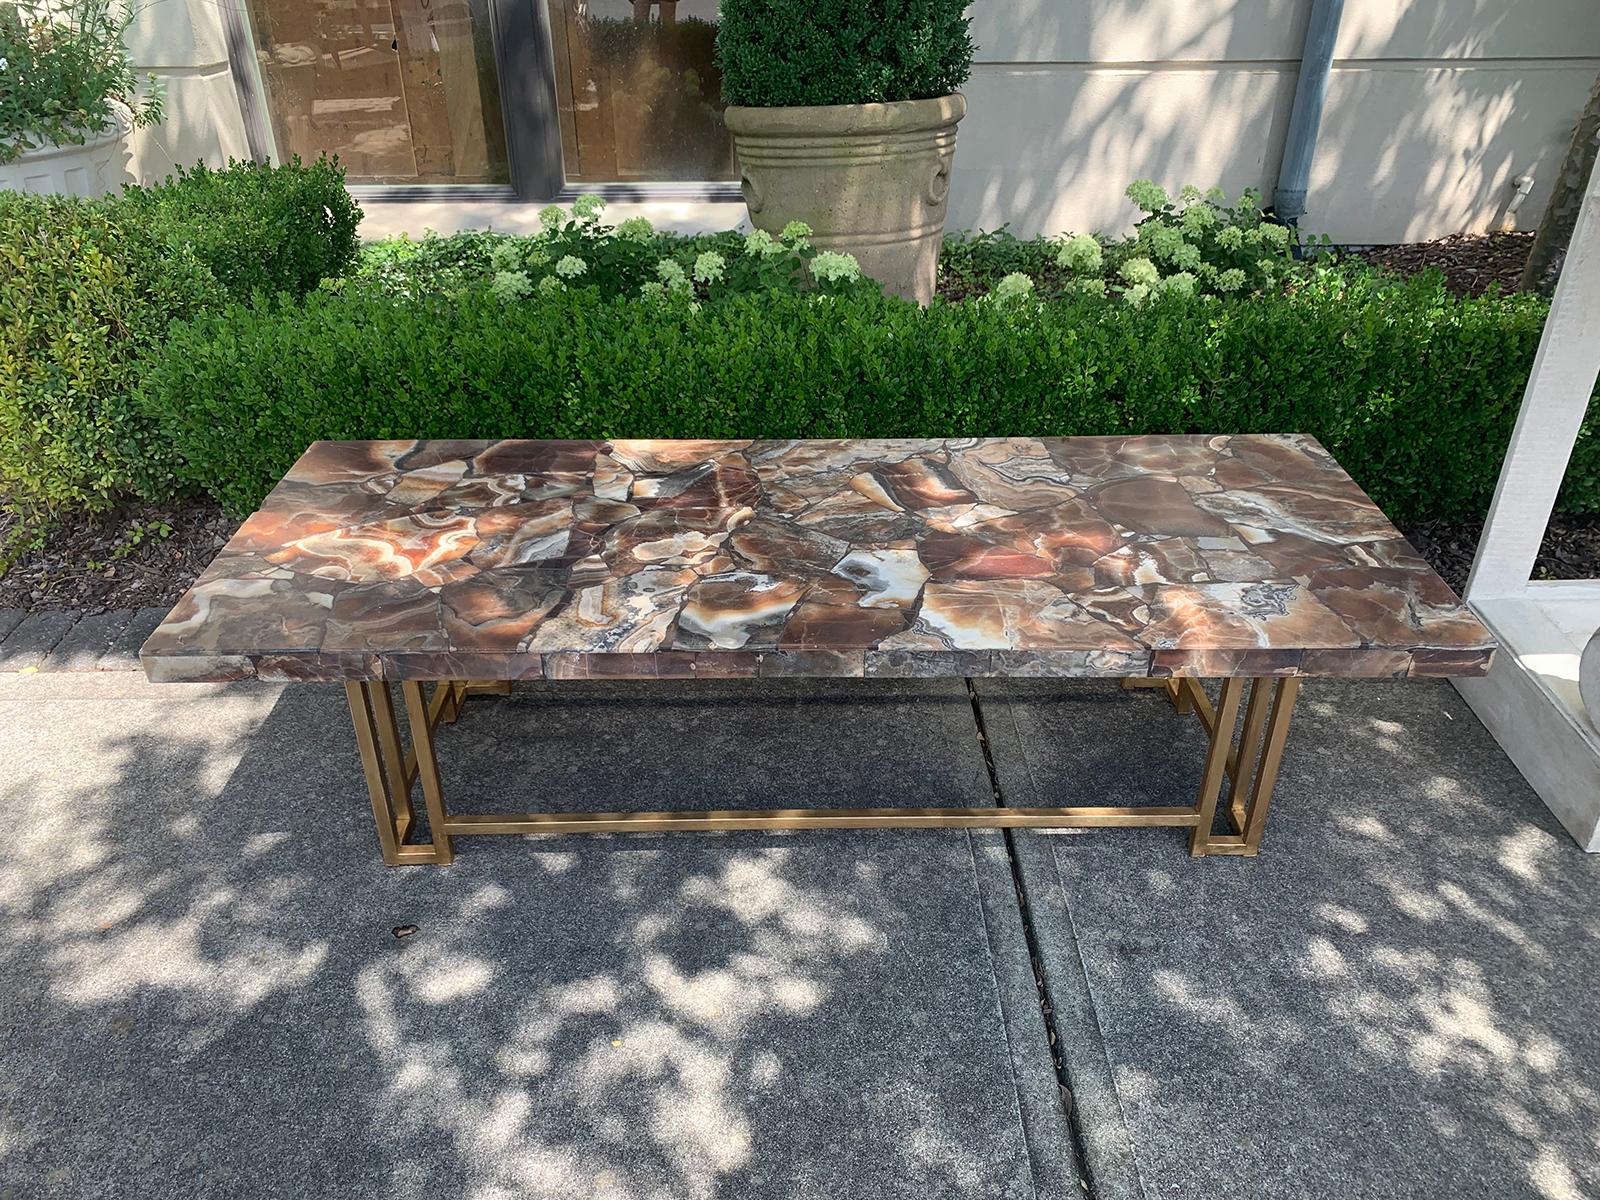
(1553, 407)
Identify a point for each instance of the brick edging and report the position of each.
(63, 640)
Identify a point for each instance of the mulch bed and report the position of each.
(1571, 548)
(1472, 263)
(92, 564)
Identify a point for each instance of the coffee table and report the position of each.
(448, 568)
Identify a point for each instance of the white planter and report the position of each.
(870, 179)
(98, 166)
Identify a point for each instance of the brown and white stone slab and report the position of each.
(1106, 556)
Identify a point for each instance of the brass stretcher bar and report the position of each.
(1247, 768)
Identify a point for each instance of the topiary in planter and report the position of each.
(784, 53)
(843, 114)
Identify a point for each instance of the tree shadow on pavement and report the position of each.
(1396, 999)
(206, 996)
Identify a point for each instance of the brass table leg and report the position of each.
(383, 811)
(1251, 766)
(1217, 755)
(392, 773)
(1249, 770)
(1266, 727)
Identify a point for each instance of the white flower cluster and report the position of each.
(1015, 286)
(831, 267)
(507, 286)
(673, 277)
(709, 267)
(761, 244)
(1081, 253)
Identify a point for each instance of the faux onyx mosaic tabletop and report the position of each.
(1112, 556)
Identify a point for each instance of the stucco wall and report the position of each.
(1432, 108)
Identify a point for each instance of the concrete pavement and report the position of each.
(206, 996)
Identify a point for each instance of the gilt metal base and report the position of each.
(1248, 767)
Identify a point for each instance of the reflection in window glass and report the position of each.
(639, 93)
(403, 91)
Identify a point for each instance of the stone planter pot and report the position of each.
(870, 179)
(95, 168)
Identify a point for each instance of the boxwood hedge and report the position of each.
(85, 286)
(1415, 391)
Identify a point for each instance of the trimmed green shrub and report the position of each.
(82, 292)
(257, 227)
(85, 286)
(1414, 390)
(787, 52)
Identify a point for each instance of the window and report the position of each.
(637, 90)
(403, 91)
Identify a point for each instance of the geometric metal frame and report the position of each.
(1249, 769)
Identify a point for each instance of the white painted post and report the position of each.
(1553, 407)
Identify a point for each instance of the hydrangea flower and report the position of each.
(1089, 287)
(1189, 194)
(1230, 280)
(709, 266)
(1276, 236)
(1181, 284)
(550, 217)
(651, 290)
(795, 235)
(1149, 196)
(672, 274)
(506, 255)
(571, 266)
(1140, 272)
(507, 286)
(1081, 253)
(550, 285)
(1136, 294)
(588, 207)
(1015, 286)
(635, 229)
(1198, 218)
(832, 267)
(1166, 242)
(761, 243)
(1230, 237)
